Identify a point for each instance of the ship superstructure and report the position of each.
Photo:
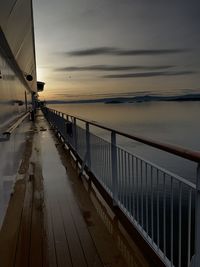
(17, 85)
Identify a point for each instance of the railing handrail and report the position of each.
(172, 149)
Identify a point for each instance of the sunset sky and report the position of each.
(101, 48)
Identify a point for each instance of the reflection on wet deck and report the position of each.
(69, 242)
(129, 250)
(11, 153)
(65, 222)
(104, 227)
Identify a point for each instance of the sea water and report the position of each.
(169, 122)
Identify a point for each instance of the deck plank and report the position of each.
(61, 245)
(10, 229)
(72, 235)
(51, 249)
(37, 235)
(89, 250)
(23, 244)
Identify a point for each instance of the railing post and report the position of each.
(114, 167)
(197, 220)
(75, 134)
(67, 137)
(88, 145)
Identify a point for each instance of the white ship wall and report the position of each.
(17, 59)
(16, 23)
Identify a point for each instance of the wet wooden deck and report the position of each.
(70, 243)
(22, 238)
(51, 220)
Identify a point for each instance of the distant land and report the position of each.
(135, 99)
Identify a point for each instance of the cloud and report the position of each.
(148, 74)
(111, 68)
(113, 51)
(92, 51)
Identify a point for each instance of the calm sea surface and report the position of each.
(169, 122)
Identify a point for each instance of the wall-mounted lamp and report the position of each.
(40, 86)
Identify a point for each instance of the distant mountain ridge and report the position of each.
(135, 99)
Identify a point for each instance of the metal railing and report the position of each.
(163, 206)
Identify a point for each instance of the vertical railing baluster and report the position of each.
(75, 134)
(152, 218)
(102, 157)
(133, 184)
(122, 181)
(106, 167)
(97, 157)
(118, 174)
(62, 122)
(110, 167)
(164, 214)
(189, 226)
(114, 167)
(179, 219)
(123, 175)
(172, 222)
(158, 212)
(129, 183)
(197, 219)
(87, 126)
(126, 179)
(65, 131)
(100, 161)
(147, 208)
(137, 188)
(142, 199)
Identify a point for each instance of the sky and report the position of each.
(88, 49)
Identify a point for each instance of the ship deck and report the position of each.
(55, 218)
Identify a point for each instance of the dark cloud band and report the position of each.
(148, 74)
(112, 51)
(111, 68)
